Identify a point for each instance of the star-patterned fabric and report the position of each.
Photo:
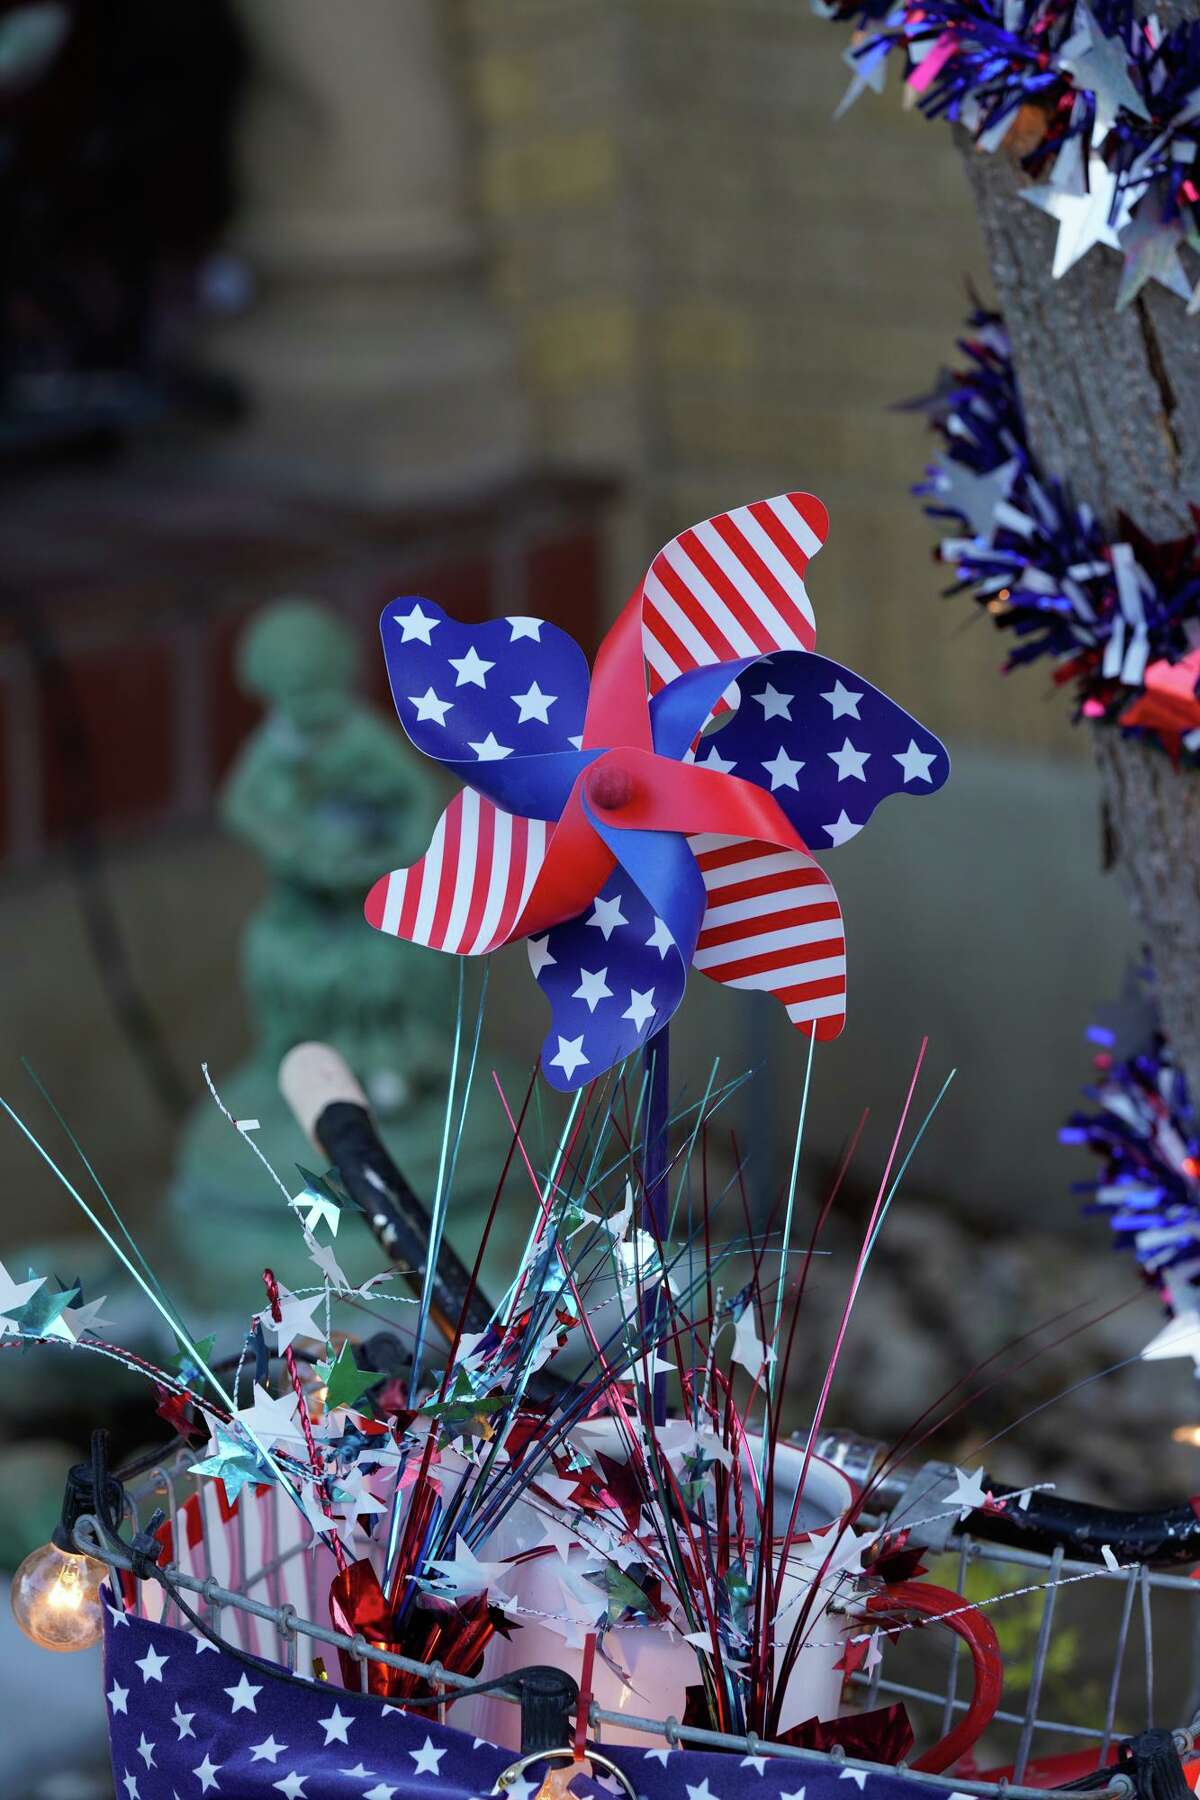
(187, 1721)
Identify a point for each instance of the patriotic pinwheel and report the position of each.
(634, 826)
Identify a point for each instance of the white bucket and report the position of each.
(659, 1666)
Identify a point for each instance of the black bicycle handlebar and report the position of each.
(1169, 1534)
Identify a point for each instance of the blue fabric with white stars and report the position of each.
(187, 1721)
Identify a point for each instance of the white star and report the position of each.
(13, 1295)
(659, 1755)
(358, 1771)
(470, 670)
(849, 761)
(843, 701)
(520, 1789)
(608, 915)
(570, 1056)
(714, 760)
(145, 1750)
(489, 750)
(842, 829)
(1082, 218)
(533, 704)
(336, 1726)
(757, 1763)
(748, 1351)
(415, 624)
(703, 1792)
(539, 955)
(1180, 1336)
(295, 1320)
(381, 1791)
(1101, 65)
(859, 1775)
(205, 1773)
(152, 1665)
(117, 1696)
(774, 705)
(430, 707)
(117, 1613)
(130, 1784)
(270, 1419)
(292, 1785)
(798, 1795)
(660, 939)
(525, 628)
(593, 987)
(242, 1696)
(203, 1644)
(79, 1319)
(914, 761)
(640, 1008)
(967, 1494)
(267, 1751)
(183, 1722)
(427, 1758)
(783, 770)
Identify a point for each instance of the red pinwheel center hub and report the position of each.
(610, 787)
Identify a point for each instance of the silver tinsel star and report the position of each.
(976, 497)
(1082, 218)
(1100, 65)
(1150, 245)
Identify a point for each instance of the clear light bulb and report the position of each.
(56, 1598)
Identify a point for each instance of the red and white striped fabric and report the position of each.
(468, 890)
(732, 586)
(261, 1546)
(773, 923)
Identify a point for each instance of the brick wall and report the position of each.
(118, 705)
(724, 290)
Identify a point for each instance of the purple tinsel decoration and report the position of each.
(1144, 1134)
(1043, 568)
(987, 61)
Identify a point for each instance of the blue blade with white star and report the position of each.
(505, 688)
(614, 974)
(825, 744)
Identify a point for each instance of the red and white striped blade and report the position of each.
(732, 586)
(467, 892)
(773, 923)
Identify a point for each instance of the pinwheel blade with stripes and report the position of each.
(663, 814)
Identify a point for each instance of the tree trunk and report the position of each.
(1112, 406)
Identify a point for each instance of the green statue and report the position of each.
(329, 795)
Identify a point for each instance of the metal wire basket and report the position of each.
(256, 1578)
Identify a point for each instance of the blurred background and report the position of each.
(303, 307)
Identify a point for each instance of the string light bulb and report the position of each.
(55, 1593)
(1187, 1434)
(56, 1598)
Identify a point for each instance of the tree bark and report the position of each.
(1112, 407)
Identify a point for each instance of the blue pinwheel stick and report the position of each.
(657, 1056)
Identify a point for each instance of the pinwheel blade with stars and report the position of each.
(663, 814)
